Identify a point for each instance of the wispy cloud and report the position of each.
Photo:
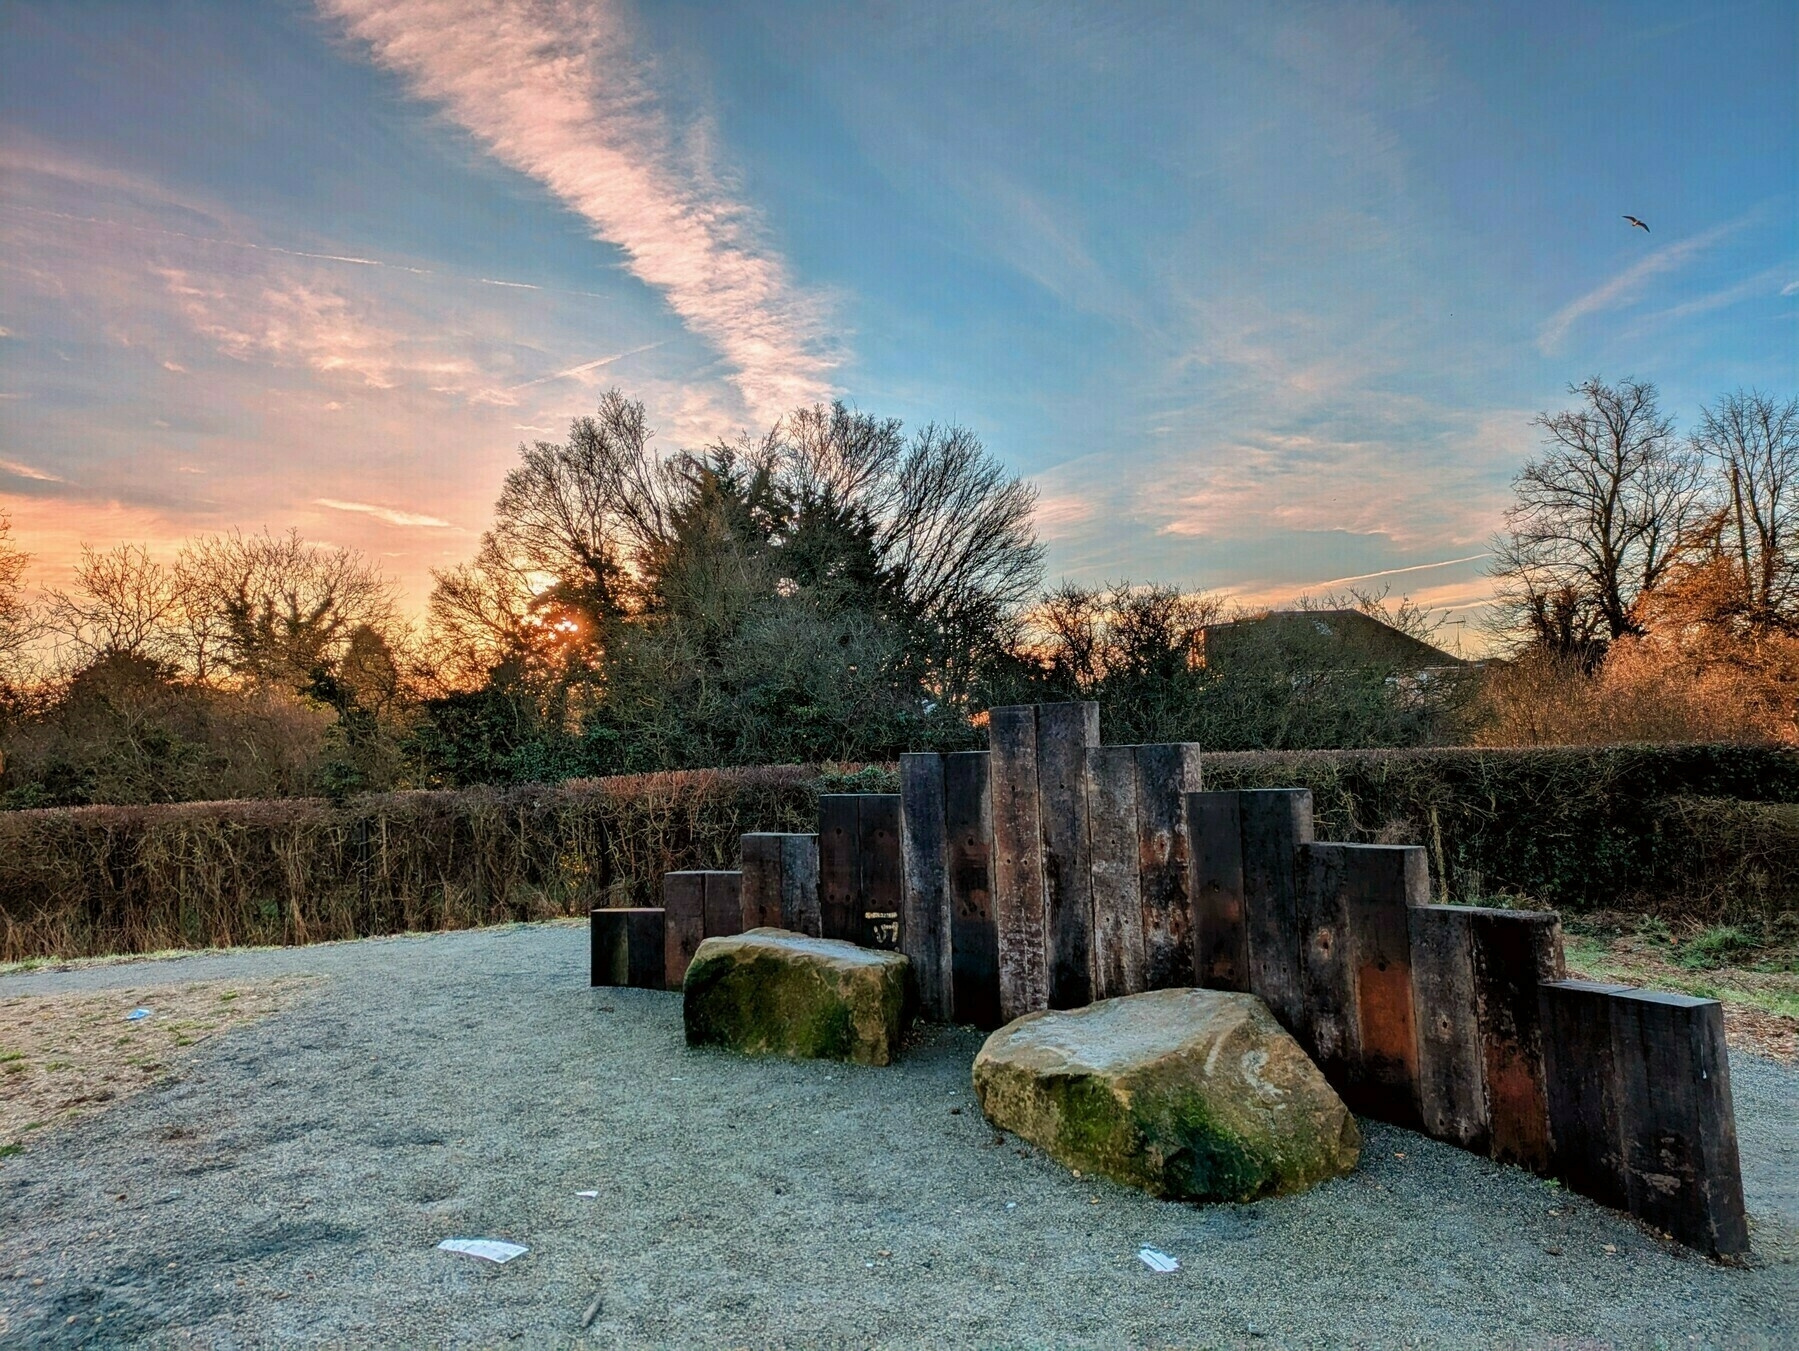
(27, 471)
(390, 515)
(1395, 572)
(554, 92)
(1628, 284)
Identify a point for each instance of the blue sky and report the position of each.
(1260, 297)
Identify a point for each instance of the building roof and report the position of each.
(1329, 638)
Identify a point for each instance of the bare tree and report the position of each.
(123, 602)
(1599, 517)
(1752, 440)
(19, 621)
(283, 608)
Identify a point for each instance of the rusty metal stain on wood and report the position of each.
(1513, 952)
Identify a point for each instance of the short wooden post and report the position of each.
(724, 904)
(1276, 821)
(1064, 732)
(974, 942)
(878, 862)
(1580, 1072)
(1113, 848)
(1682, 1173)
(1017, 860)
(1215, 853)
(839, 879)
(799, 884)
(1514, 951)
(1356, 972)
(1452, 1081)
(627, 947)
(760, 859)
(684, 923)
(925, 903)
(1165, 775)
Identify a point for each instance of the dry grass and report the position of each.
(67, 1055)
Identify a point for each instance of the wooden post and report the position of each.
(1356, 972)
(1113, 848)
(684, 923)
(724, 904)
(878, 862)
(1215, 851)
(974, 942)
(1276, 821)
(1064, 732)
(627, 947)
(1017, 860)
(1452, 1081)
(759, 855)
(1679, 1135)
(1165, 775)
(1580, 1072)
(925, 904)
(799, 884)
(1514, 951)
(839, 879)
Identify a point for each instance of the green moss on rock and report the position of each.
(1190, 1094)
(771, 992)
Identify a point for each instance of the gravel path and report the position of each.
(290, 1187)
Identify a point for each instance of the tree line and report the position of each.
(840, 589)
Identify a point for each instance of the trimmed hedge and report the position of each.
(1694, 829)
(1707, 831)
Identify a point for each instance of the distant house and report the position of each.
(1323, 640)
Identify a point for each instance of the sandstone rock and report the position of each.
(772, 992)
(1191, 1094)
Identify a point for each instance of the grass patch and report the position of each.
(7, 1151)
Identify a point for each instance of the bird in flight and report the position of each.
(1639, 224)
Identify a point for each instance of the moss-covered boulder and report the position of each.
(771, 992)
(1191, 1094)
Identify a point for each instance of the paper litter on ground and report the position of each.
(1157, 1260)
(137, 1015)
(491, 1249)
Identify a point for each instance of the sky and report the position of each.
(1263, 299)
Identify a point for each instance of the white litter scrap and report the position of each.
(137, 1015)
(1157, 1260)
(592, 1196)
(488, 1249)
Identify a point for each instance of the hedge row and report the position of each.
(1706, 830)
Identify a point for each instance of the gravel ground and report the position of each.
(290, 1186)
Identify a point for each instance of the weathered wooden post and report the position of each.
(1356, 972)
(1215, 854)
(684, 922)
(1275, 822)
(1064, 733)
(627, 947)
(759, 857)
(1682, 1173)
(1580, 1071)
(1165, 775)
(1017, 860)
(724, 903)
(1115, 855)
(1514, 951)
(799, 884)
(974, 940)
(780, 881)
(1452, 1079)
(925, 901)
(839, 878)
(878, 863)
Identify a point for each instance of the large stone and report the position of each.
(772, 992)
(1191, 1094)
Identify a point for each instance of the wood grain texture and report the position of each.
(1452, 1089)
(1165, 775)
(724, 904)
(974, 940)
(1580, 1075)
(925, 903)
(1064, 732)
(759, 860)
(684, 923)
(839, 880)
(799, 884)
(1017, 860)
(627, 947)
(1215, 852)
(1682, 1172)
(878, 862)
(1513, 952)
(1113, 855)
(1328, 1028)
(1276, 822)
